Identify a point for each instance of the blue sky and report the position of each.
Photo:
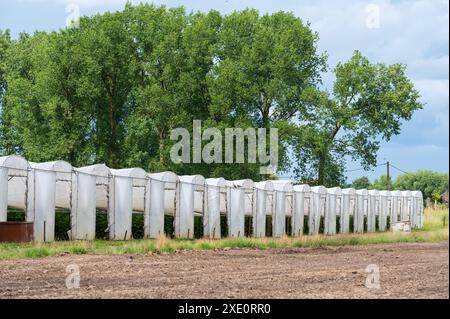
(414, 32)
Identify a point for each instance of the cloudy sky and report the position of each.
(414, 32)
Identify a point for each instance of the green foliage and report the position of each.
(163, 245)
(381, 183)
(426, 181)
(368, 102)
(112, 89)
(5, 41)
(361, 183)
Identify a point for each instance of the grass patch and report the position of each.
(435, 219)
(435, 229)
(166, 245)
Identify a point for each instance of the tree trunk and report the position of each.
(321, 169)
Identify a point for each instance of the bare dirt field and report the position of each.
(406, 271)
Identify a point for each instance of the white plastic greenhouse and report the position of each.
(396, 207)
(283, 206)
(52, 183)
(14, 186)
(216, 191)
(348, 208)
(374, 210)
(161, 201)
(39, 189)
(334, 208)
(319, 207)
(417, 209)
(264, 202)
(362, 210)
(302, 207)
(385, 209)
(240, 195)
(190, 198)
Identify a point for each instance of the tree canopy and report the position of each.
(428, 182)
(112, 89)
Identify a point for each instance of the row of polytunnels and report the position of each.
(40, 188)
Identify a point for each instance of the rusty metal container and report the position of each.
(16, 232)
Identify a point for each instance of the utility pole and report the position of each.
(388, 179)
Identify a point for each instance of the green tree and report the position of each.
(381, 183)
(361, 183)
(262, 66)
(112, 89)
(428, 182)
(69, 92)
(174, 55)
(368, 103)
(5, 42)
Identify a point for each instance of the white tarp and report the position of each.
(283, 191)
(14, 184)
(406, 206)
(261, 193)
(41, 188)
(215, 191)
(374, 210)
(90, 190)
(44, 205)
(83, 207)
(184, 215)
(160, 186)
(396, 205)
(3, 194)
(417, 209)
(120, 213)
(237, 193)
(51, 181)
(385, 206)
(318, 208)
(348, 208)
(334, 200)
(128, 189)
(302, 204)
(362, 210)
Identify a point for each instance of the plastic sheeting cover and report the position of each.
(302, 200)
(215, 188)
(261, 192)
(160, 183)
(362, 207)
(318, 207)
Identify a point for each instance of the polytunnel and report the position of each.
(396, 207)
(362, 210)
(385, 209)
(374, 209)
(417, 209)
(90, 190)
(52, 183)
(318, 208)
(216, 192)
(238, 194)
(348, 208)
(263, 195)
(162, 198)
(406, 206)
(302, 205)
(334, 204)
(189, 187)
(127, 193)
(283, 207)
(15, 187)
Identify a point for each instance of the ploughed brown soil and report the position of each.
(406, 271)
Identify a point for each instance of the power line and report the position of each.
(399, 169)
(362, 168)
